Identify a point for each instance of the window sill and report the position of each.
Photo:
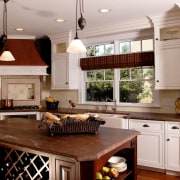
(157, 105)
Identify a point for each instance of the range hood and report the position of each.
(28, 60)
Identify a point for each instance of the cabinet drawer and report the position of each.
(173, 127)
(146, 125)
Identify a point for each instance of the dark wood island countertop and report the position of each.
(83, 147)
(25, 134)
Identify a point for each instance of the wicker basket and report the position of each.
(89, 126)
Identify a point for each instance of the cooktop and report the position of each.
(30, 107)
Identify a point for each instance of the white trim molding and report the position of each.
(23, 70)
(109, 29)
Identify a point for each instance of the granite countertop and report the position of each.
(82, 147)
(154, 116)
(128, 115)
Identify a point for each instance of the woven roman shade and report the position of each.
(118, 61)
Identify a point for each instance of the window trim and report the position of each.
(156, 100)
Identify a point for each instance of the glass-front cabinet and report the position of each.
(167, 50)
(170, 33)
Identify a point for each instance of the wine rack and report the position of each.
(20, 165)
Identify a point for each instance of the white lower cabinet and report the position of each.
(150, 144)
(172, 146)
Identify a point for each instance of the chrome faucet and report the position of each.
(114, 108)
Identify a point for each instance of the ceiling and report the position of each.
(37, 17)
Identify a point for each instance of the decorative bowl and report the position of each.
(118, 162)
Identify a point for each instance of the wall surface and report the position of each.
(167, 102)
(167, 99)
(129, 30)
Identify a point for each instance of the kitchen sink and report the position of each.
(113, 120)
(106, 115)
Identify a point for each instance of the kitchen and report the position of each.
(51, 84)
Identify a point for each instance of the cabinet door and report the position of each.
(65, 71)
(172, 146)
(60, 79)
(150, 149)
(167, 66)
(150, 142)
(65, 170)
(173, 152)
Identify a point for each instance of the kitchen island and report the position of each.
(28, 152)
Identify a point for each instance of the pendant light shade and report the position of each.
(76, 45)
(6, 55)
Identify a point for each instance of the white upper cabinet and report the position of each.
(65, 72)
(167, 64)
(167, 51)
(65, 66)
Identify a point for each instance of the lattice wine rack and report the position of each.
(20, 165)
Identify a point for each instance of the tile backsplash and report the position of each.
(23, 90)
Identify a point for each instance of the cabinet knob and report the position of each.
(157, 39)
(146, 125)
(174, 127)
(157, 81)
(167, 139)
(66, 83)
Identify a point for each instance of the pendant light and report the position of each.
(6, 55)
(76, 45)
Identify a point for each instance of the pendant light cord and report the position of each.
(5, 18)
(76, 36)
(76, 46)
(81, 6)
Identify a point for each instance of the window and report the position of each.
(99, 85)
(136, 46)
(128, 85)
(100, 50)
(136, 85)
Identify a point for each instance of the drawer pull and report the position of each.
(146, 125)
(168, 139)
(174, 127)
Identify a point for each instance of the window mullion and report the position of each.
(116, 84)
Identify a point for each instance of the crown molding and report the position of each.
(109, 29)
(169, 18)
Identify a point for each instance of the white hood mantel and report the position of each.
(28, 60)
(22, 70)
